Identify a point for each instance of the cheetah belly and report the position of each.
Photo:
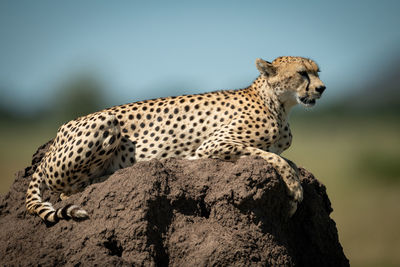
(169, 148)
(174, 134)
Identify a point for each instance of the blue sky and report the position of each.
(147, 49)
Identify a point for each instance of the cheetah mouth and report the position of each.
(306, 101)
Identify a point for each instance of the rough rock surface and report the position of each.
(176, 213)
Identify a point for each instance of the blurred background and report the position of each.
(60, 60)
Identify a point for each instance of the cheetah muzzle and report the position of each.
(227, 124)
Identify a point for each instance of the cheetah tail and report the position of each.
(45, 210)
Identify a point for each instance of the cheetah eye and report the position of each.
(304, 74)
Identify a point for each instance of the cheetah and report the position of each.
(227, 124)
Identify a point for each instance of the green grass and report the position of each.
(18, 143)
(358, 161)
(356, 158)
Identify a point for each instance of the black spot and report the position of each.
(112, 140)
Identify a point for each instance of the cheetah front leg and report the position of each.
(287, 170)
(233, 150)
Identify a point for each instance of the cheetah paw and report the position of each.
(64, 196)
(80, 215)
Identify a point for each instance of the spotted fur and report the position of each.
(226, 124)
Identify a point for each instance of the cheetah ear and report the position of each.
(265, 67)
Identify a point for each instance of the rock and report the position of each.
(176, 212)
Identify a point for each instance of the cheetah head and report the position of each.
(293, 79)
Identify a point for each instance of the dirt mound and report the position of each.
(178, 213)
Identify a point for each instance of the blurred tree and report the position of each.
(80, 95)
(9, 113)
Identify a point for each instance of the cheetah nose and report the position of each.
(320, 89)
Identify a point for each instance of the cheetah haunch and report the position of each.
(227, 124)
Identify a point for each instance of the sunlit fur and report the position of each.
(227, 124)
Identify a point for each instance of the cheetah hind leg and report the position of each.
(99, 142)
(123, 157)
